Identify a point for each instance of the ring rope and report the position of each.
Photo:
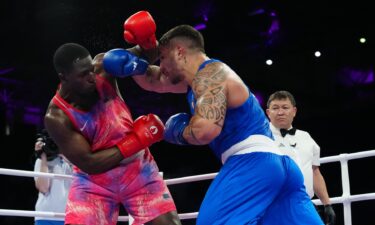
(25, 173)
(27, 213)
(346, 198)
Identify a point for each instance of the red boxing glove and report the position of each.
(140, 29)
(149, 129)
(146, 131)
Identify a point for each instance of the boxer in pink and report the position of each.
(93, 128)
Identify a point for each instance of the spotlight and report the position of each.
(269, 62)
(362, 40)
(317, 54)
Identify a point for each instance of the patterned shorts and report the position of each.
(137, 185)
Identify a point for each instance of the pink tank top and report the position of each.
(108, 120)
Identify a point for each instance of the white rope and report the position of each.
(24, 173)
(342, 158)
(185, 216)
(26, 213)
(351, 198)
(180, 180)
(347, 156)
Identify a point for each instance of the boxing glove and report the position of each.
(174, 128)
(140, 29)
(122, 63)
(147, 130)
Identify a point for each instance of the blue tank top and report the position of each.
(240, 122)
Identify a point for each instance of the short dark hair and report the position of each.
(184, 31)
(66, 54)
(280, 95)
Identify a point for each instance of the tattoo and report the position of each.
(209, 89)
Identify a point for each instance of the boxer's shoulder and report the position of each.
(54, 114)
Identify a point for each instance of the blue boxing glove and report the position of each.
(174, 128)
(121, 63)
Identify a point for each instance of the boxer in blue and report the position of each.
(256, 184)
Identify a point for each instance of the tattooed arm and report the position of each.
(210, 90)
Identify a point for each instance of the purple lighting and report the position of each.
(370, 77)
(205, 18)
(202, 12)
(259, 97)
(351, 76)
(257, 12)
(33, 115)
(5, 71)
(275, 26)
(200, 26)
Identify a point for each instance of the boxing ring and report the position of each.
(346, 198)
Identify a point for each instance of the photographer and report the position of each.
(53, 193)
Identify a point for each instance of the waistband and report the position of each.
(254, 143)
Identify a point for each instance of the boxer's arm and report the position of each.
(151, 55)
(155, 80)
(75, 147)
(210, 90)
(99, 69)
(116, 63)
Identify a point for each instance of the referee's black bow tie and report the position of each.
(291, 131)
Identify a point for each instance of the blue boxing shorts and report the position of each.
(258, 188)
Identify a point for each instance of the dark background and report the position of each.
(334, 93)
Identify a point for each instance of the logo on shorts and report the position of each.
(166, 196)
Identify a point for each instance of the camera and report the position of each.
(49, 146)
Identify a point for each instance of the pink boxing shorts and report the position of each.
(137, 185)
